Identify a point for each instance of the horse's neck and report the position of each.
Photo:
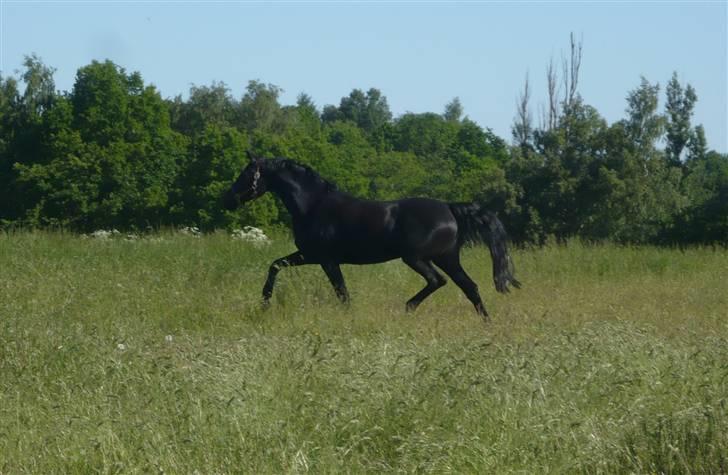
(298, 199)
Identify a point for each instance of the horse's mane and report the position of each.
(279, 164)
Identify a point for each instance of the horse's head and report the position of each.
(249, 185)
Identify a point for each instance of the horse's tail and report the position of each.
(477, 225)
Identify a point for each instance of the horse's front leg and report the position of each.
(333, 272)
(295, 259)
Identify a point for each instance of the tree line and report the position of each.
(113, 153)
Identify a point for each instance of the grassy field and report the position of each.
(153, 355)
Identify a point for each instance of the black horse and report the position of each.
(332, 228)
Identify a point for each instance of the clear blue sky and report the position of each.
(420, 55)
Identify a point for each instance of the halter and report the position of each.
(254, 186)
(256, 177)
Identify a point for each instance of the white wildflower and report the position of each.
(191, 231)
(103, 233)
(121, 347)
(251, 234)
(168, 338)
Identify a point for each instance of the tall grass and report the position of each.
(154, 355)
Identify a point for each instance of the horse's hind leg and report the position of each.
(333, 272)
(433, 278)
(450, 264)
(295, 259)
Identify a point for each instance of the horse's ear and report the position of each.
(250, 155)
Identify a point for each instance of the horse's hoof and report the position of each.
(480, 309)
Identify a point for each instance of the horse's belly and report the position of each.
(359, 257)
(364, 250)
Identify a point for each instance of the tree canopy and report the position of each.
(112, 152)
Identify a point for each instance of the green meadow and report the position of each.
(154, 355)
